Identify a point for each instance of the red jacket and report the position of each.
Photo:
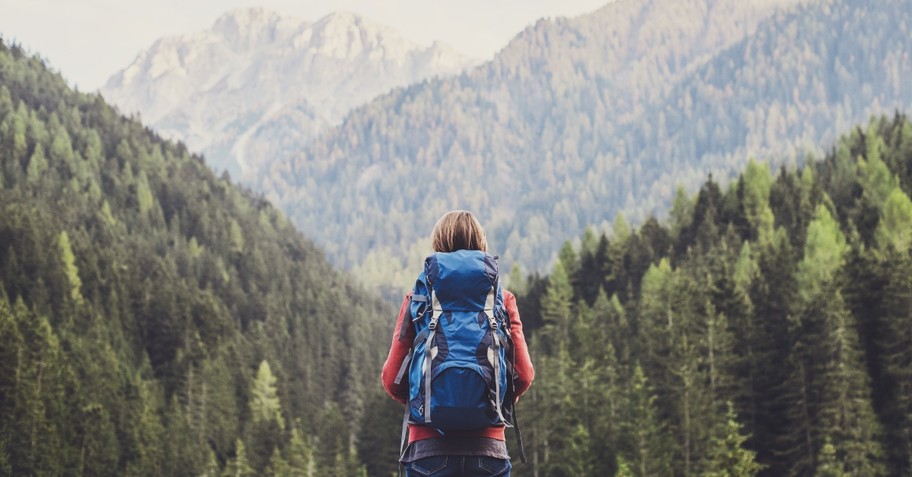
(400, 349)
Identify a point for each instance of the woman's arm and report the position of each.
(402, 343)
(523, 365)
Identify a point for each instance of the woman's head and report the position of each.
(458, 230)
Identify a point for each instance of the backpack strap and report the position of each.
(511, 373)
(519, 443)
(404, 439)
(404, 367)
(404, 325)
(430, 353)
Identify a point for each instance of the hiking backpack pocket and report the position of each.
(459, 398)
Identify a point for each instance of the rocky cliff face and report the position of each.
(257, 85)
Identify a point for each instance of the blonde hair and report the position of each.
(458, 230)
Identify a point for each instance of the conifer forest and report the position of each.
(156, 319)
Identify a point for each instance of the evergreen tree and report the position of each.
(238, 465)
(555, 309)
(69, 267)
(300, 457)
(643, 438)
(828, 463)
(728, 456)
(895, 346)
(895, 227)
(264, 404)
(37, 164)
(267, 424)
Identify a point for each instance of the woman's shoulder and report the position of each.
(509, 299)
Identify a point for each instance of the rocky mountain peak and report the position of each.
(222, 89)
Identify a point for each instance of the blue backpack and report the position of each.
(458, 369)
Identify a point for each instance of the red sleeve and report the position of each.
(523, 364)
(397, 354)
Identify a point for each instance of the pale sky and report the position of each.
(89, 40)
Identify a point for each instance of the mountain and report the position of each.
(156, 319)
(258, 85)
(526, 140)
(763, 329)
(579, 119)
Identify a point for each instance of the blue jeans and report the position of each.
(458, 466)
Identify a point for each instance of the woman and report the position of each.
(474, 452)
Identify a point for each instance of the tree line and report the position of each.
(764, 328)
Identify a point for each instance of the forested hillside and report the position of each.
(158, 320)
(765, 326)
(577, 119)
(804, 77)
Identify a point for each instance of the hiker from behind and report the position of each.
(458, 360)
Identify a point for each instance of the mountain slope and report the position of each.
(529, 140)
(157, 320)
(578, 119)
(799, 81)
(255, 75)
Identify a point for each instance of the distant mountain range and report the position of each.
(575, 120)
(579, 119)
(258, 84)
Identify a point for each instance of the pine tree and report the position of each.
(238, 465)
(833, 397)
(264, 404)
(894, 231)
(623, 468)
(277, 466)
(556, 306)
(895, 344)
(728, 456)
(644, 443)
(150, 433)
(37, 165)
(266, 427)
(212, 466)
(828, 464)
(773, 295)
(299, 455)
(69, 267)
(756, 191)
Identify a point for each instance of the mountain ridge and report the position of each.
(207, 88)
(546, 110)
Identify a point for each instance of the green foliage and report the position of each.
(238, 466)
(264, 400)
(37, 164)
(823, 254)
(828, 464)
(728, 457)
(894, 231)
(141, 296)
(738, 351)
(69, 266)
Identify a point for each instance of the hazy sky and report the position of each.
(88, 40)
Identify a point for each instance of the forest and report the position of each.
(764, 329)
(156, 319)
